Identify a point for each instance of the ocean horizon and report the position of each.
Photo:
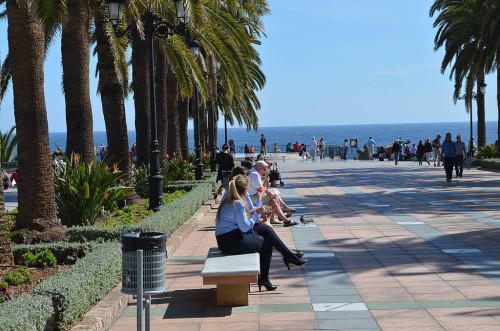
(383, 134)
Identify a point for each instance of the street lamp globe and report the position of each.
(115, 10)
(194, 47)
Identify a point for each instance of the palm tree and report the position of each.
(460, 29)
(37, 207)
(8, 141)
(112, 69)
(174, 137)
(140, 86)
(161, 101)
(75, 50)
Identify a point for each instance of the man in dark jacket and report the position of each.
(225, 162)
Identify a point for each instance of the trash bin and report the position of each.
(154, 266)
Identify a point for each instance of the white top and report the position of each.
(255, 181)
(371, 143)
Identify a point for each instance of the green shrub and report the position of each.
(74, 291)
(18, 276)
(130, 214)
(486, 152)
(65, 253)
(83, 191)
(141, 181)
(27, 313)
(45, 259)
(490, 164)
(27, 259)
(177, 169)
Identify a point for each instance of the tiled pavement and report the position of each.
(391, 248)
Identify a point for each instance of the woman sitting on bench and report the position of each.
(238, 231)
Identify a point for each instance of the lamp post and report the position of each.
(153, 26)
(194, 47)
(482, 89)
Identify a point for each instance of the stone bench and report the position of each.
(232, 274)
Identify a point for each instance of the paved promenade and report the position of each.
(391, 248)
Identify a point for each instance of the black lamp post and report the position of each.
(482, 89)
(194, 46)
(153, 25)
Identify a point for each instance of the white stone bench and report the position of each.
(232, 274)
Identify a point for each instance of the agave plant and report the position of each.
(83, 190)
(8, 141)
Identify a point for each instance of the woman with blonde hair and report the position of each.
(238, 232)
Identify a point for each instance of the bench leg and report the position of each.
(232, 294)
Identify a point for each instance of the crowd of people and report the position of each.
(450, 153)
(248, 211)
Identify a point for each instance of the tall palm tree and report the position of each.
(112, 69)
(37, 207)
(460, 28)
(161, 101)
(140, 86)
(174, 138)
(75, 51)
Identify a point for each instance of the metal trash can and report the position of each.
(154, 265)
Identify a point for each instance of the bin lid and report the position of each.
(147, 241)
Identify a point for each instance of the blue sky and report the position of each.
(327, 62)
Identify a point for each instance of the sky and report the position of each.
(327, 62)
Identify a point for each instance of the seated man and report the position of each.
(289, 148)
(257, 185)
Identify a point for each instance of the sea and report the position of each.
(383, 134)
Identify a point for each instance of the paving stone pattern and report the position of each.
(391, 248)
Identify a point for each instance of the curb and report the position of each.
(102, 316)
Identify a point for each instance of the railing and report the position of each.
(331, 151)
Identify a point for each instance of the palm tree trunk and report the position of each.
(161, 101)
(36, 193)
(75, 62)
(498, 104)
(481, 114)
(174, 136)
(140, 85)
(183, 125)
(112, 99)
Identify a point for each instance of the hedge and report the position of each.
(490, 164)
(27, 313)
(74, 291)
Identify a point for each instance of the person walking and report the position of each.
(322, 148)
(225, 162)
(370, 144)
(448, 152)
(436, 144)
(314, 148)
(420, 152)
(396, 150)
(263, 149)
(460, 152)
(428, 150)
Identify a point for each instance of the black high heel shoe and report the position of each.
(298, 254)
(299, 263)
(267, 284)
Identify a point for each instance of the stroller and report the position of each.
(275, 176)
